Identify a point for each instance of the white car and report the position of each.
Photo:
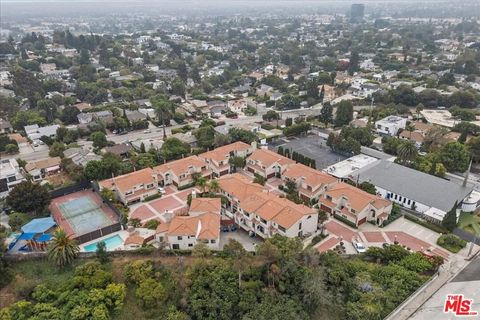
(147, 131)
(161, 190)
(360, 247)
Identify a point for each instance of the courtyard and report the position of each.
(241, 236)
(173, 201)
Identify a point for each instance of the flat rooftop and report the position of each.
(415, 185)
(349, 166)
(442, 118)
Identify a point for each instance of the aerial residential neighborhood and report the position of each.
(239, 160)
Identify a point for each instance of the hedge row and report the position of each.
(428, 225)
(152, 197)
(186, 186)
(346, 221)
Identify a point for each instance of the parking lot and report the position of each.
(311, 146)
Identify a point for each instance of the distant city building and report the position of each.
(357, 11)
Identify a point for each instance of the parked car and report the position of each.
(360, 247)
(161, 190)
(147, 131)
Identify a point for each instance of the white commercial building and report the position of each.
(416, 190)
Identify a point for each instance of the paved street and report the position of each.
(467, 282)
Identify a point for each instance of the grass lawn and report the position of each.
(470, 223)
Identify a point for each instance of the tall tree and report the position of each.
(344, 113)
(407, 151)
(163, 110)
(455, 156)
(326, 114)
(63, 249)
(173, 148)
(29, 197)
(450, 219)
(240, 258)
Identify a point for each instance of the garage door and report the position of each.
(325, 208)
(362, 221)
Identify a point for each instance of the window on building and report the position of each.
(281, 228)
(213, 241)
(179, 238)
(190, 244)
(300, 226)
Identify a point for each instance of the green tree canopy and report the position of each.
(344, 114)
(29, 197)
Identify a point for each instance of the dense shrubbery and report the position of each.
(89, 294)
(282, 281)
(451, 242)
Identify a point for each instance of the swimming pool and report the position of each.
(111, 243)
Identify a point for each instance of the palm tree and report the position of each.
(163, 109)
(202, 183)
(213, 186)
(63, 249)
(407, 151)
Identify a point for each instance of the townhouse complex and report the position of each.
(255, 208)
